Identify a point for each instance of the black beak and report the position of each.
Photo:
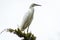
(38, 5)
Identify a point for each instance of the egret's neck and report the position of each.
(31, 8)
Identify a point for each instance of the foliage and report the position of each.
(19, 33)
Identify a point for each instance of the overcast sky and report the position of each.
(46, 22)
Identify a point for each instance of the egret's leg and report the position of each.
(27, 29)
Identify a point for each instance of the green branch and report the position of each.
(19, 33)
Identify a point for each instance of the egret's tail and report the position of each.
(20, 27)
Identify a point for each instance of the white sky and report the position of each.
(46, 22)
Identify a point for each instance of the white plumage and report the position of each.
(28, 17)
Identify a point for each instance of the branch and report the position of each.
(19, 33)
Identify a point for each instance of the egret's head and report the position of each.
(33, 5)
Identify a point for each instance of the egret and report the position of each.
(28, 17)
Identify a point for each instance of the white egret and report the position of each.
(28, 17)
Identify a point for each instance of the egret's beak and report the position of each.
(38, 5)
